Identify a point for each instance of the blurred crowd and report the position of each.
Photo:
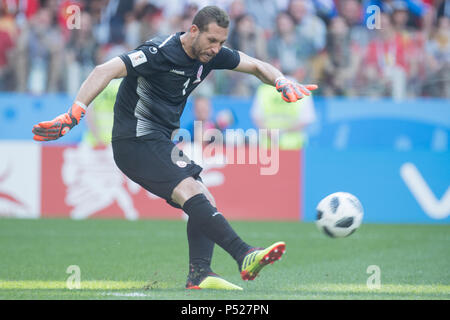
(393, 48)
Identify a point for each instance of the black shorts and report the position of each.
(154, 162)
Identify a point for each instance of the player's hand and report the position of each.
(56, 128)
(292, 91)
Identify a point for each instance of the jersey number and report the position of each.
(186, 85)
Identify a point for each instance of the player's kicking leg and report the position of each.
(200, 255)
(199, 201)
(217, 229)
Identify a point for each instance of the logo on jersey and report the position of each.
(177, 72)
(153, 50)
(199, 74)
(137, 58)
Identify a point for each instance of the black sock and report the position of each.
(213, 224)
(200, 246)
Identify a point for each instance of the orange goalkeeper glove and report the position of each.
(56, 128)
(292, 91)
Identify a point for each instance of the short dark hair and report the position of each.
(210, 14)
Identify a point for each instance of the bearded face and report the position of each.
(207, 43)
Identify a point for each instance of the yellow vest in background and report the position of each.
(279, 114)
(103, 107)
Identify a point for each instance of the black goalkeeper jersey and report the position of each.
(160, 77)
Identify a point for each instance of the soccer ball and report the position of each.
(339, 214)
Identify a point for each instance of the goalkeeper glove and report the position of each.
(61, 125)
(292, 91)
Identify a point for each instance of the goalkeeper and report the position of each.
(158, 77)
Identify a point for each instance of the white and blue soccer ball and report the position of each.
(339, 214)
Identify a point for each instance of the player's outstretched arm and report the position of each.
(97, 80)
(290, 90)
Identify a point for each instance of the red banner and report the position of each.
(80, 182)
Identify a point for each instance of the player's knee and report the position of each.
(185, 190)
(199, 209)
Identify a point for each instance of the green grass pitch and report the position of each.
(147, 259)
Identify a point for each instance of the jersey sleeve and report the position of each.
(226, 59)
(142, 61)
